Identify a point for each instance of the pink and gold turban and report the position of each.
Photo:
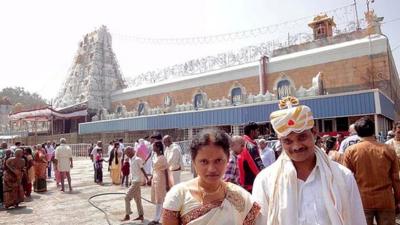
(291, 119)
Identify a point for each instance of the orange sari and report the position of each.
(40, 165)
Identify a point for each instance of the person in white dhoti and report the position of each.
(304, 186)
(173, 153)
(148, 162)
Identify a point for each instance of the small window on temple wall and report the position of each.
(236, 96)
(198, 101)
(119, 109)
(284, 88)
(141, 109)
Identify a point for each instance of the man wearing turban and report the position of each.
(304, 186)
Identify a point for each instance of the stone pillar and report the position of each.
(235, 130)
(263, 74)
(376, 121)
(126, 137)
(190, 133)
(104, 139)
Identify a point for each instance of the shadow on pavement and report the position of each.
(32, 198)
(48, 192)
(107, 184)
(19, 210)
(136, 222)
(72, 192)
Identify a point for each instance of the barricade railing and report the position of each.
(80, 150)
(185, 146)
(83, 150)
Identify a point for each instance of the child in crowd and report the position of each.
(125, 172)
(99, 166)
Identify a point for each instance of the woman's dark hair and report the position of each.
(365, 127)
(28, 150)
(210, 137)
(395, 125)
(330, 143)
(250, 127)
(317, 139)
(157, 136)
(160, 147)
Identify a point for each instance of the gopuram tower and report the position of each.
(94, 74)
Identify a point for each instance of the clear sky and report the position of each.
(40, 38)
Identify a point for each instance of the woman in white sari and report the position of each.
(207, 199)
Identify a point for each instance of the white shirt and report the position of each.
(347, 142)
(110, 148)
(395, 145)
(63, 154)
(311, 209)
(49, 152)
(174, 156)
(49, 149)
(121, 146)
(267, 156)
(94, 150)
(136, 165)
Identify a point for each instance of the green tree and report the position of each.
(20, 95)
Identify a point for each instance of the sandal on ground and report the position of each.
(139, 218)
(126, 218)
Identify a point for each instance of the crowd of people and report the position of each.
(157, 162)
(23, 167)
(299, 178)
(302, 179)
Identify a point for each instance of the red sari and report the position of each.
(40, 165)
(27, 177)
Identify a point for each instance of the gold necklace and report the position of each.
(204, 193)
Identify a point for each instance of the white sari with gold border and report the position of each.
(236, 209)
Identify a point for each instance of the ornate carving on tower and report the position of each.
(322, 26)
(94, 75)
(373, 23)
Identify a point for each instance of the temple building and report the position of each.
(340, 76)
(93, 76)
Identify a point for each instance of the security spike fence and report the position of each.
(82, 150)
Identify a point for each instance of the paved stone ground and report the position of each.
(55, 207)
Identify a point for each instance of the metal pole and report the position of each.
(357, 20)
